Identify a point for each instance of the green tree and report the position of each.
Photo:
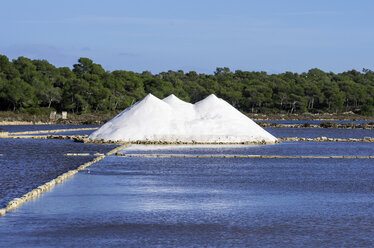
(8, 69)
(18, 93)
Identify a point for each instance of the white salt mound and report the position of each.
(211, 120)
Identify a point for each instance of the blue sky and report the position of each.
(160, 35)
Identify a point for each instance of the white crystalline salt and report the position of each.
(210, 120)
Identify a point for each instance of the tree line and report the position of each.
(37, 87)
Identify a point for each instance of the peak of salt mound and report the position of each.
(172, 99)
(210, 100)
(214, 106)
(171, 96)
(210, 120)
(147, 100)
(182, 111)
(138, 122)
(150, 97)
(211, 96)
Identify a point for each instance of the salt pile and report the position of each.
(211, 120)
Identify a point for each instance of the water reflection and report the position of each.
(194, 202)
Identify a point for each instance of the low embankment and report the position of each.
(239, 156)
(54, 131)
(84, 139)
(350, 125)
(325, 139)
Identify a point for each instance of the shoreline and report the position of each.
(99, 118)
(325, 124)
(310, 117)
(20, 123)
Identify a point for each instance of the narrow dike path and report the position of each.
(237, 156)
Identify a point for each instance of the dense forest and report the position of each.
(37, 87)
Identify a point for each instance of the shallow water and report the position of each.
(282, 149)
(202, 202)
(25, 128)
(190, 202)
(319, 132)
(65, 133)
(26, 164)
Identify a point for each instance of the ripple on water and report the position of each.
(28, 163)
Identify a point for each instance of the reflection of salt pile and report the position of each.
(211, 120)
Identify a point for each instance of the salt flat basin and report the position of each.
(205, 202)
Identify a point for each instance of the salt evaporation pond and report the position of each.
(319, 132)
(189, 202)
(25, 128)
(193, 202)
(169, 202)
(26, 164)
(294, 148)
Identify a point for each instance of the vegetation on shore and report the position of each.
(36, 87)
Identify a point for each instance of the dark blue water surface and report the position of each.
(163, 202)
(65, 133)
(199, 202)
(26, 164)
(283, 149)
(25, 128)
(319, 132)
